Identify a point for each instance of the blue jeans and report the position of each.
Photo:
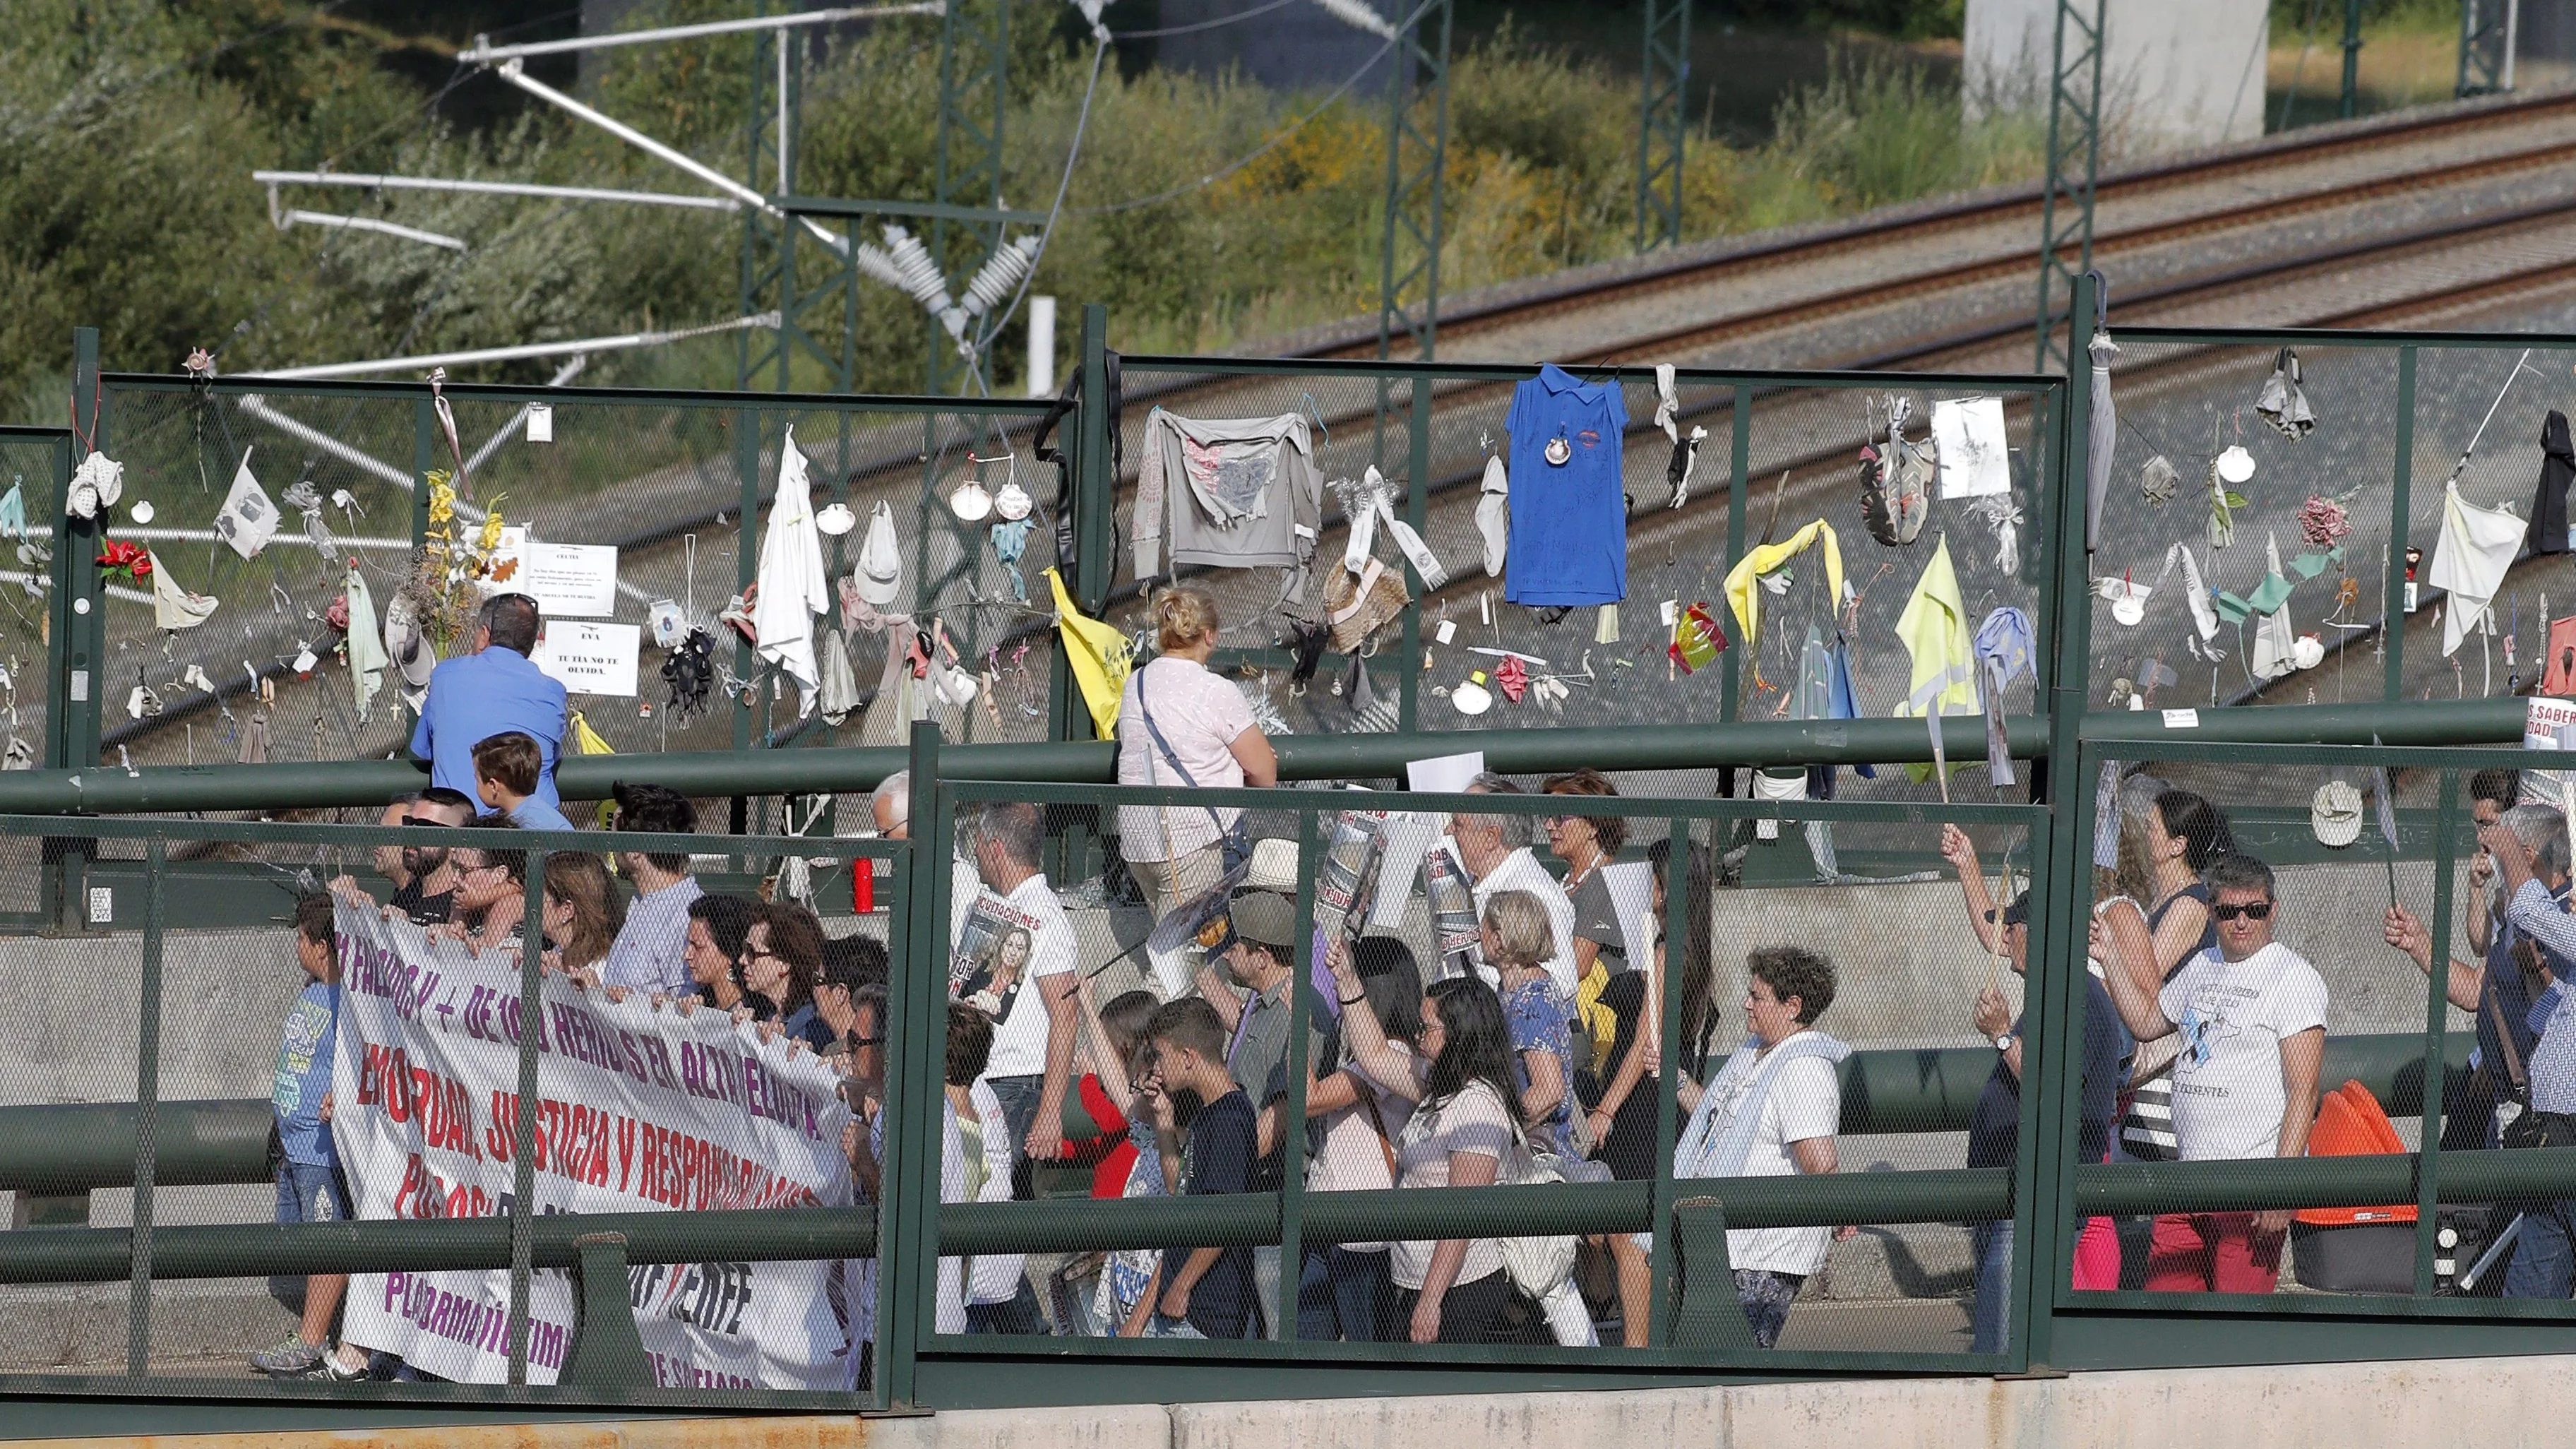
(311, 1192)
(1990, 1322)
(1019, 1099)
(2544, 1252)
(1766, 1297)
(1342, 1295)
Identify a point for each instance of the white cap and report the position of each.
(879, 576)
(405, 645)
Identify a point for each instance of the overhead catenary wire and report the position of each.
(1055, 211)
(582, 347)
(516, 74)
(1196, 26)
(1277, 139)
(275, 179)
(483, 52)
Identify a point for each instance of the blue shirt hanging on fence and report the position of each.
(1569, 539)
(476, 696)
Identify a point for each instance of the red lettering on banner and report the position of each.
(504, 1128)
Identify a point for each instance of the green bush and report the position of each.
(128, 129)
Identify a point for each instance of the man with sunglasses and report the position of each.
(2251, 1018)
(424, 881)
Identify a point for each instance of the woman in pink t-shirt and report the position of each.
(1181, 724)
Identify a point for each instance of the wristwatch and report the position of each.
(2004, 1042)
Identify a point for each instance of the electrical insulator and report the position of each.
(920, 275)
(992, 285)
(877, 264)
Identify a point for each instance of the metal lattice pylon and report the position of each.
(771, 254)
(2486, 46)
(2074, 161)
(974, 66)
(1662, 129)
(1409, 246)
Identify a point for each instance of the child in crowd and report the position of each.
(1121, 1089)
(1199, 1292)
(309, 1186)
(506, 768)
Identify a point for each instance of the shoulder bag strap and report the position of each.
(1170, 757)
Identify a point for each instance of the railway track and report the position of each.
(2382, 223)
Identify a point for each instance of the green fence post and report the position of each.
(1292, 1178)
(605, 1352)
(1417, 482)
(147, 1097)
(2428, 1184)
(1096, 485)
(915, 1049)
(77, 654)
(1739, 459)
(2392, 630)
(2043, 1175)
(1708, 1318)
(1678, 884)
(424, 456)
(1095, 494)
(523, 1147)
(746, 562)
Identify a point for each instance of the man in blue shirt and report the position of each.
(489, 691)
(309, 1186)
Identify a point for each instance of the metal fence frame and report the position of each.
(2055, 1327)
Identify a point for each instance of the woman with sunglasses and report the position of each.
(782, 958)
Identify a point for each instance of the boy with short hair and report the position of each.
(1200, 1292)
(309, 1186)
(506, 770)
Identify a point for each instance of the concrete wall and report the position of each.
(2434, 1405)
(2176, 73)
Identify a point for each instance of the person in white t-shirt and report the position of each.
(1772, 1111)
(1495, 849)
(1032, 1060)
(2250, 1019)
(1181, 724)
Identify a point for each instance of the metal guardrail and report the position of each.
(1698, 1335)
(81, 1147)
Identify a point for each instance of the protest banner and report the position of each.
(639, 1109)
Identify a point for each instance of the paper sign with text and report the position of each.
(590, 658)
(568, 580)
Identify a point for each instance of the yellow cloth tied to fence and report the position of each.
(1745, 598)
(1098, 656)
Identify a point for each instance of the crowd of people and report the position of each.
(1532, 1056)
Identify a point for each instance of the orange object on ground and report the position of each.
(2350, 1121)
